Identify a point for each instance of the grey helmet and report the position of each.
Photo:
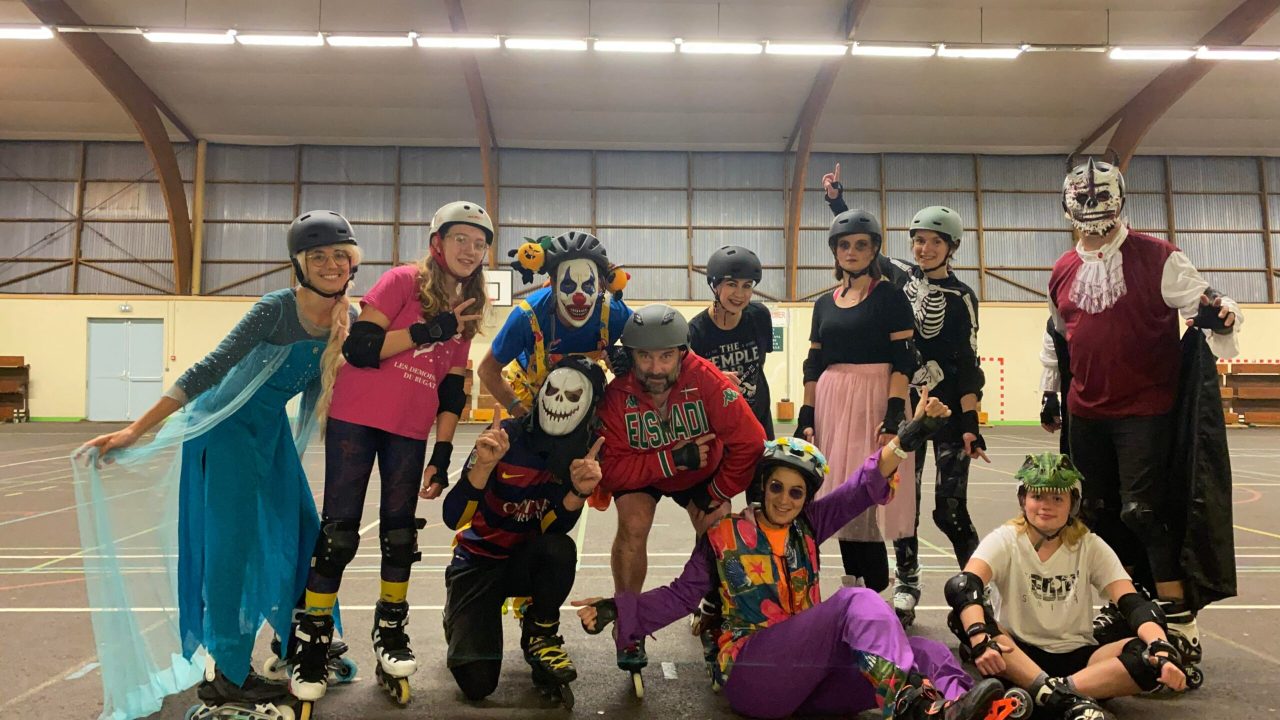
(733, 261)
(572, 245)
(942, 220)
(853, 222)
(655, 327)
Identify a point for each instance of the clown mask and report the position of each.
(1093, 196)
(563, 401)
(577, 290)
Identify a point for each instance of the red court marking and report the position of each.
(1256, 496)
(41, 584)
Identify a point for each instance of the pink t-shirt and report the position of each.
(401, 394)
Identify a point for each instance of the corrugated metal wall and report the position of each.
(661, 212)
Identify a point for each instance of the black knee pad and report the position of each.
(336, 547)
(558, 549)
(1143, 519)
(1145, 675)
(477, 680)
(400, 543)
(952, 518)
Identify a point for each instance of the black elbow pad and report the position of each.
(812, 367)
(364, 344)
(452, 397)
(906, 357)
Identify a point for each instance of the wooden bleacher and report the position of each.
(1250, 392)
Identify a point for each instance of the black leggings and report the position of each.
(950, 504)
(543, 569)
(867, 560)
(349, 453)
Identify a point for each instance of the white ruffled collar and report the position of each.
(1099, 282)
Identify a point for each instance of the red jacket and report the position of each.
(638, 443)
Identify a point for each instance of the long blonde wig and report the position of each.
(339, 329)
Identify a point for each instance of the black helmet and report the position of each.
(852, 222)
(794, 453)
(573, 245)
(318, 228)
(655, 327)
(314, 229)
(732, 261)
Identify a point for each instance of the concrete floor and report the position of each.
(47, 650)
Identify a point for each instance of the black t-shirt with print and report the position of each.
(741, 350)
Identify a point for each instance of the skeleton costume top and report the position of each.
(1117, 306)
(946, 323)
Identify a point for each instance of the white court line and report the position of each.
(28, 462)
(69, 507)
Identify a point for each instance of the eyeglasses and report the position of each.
(320, 259)
(462, 240)
(795, 492)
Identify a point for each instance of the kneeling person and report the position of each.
(1046, 565)
(524, 489)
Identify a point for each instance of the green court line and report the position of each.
(56, 419)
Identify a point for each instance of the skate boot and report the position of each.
(396, 661)
(707, 625)
(1184, 636)
(309, 676)
(1056, 696)
(906, 595)
(342, 670)
(919, 700)
(633, 659)
(552, 667)
(256, 699)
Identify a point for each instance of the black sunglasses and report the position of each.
(795, 492)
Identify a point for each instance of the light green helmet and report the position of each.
(1050, 472)
(942, 220)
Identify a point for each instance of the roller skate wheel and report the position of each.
(399, 689)
(275, 669)
(566, 697)
(192, 712)
(637, 680)
(1195, 678)
(1022, 705)
(344, 670)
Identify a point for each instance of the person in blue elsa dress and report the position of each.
(221, 487)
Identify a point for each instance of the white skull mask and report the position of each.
(1093, 196)
(577, 289)
(563, 401)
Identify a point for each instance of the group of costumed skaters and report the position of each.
(686, 416)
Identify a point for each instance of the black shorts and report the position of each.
(682, 497)
(1058, 664)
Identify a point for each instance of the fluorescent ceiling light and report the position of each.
(1150, 53)
(991, 53)
(806, 48)
(465, 42)
(191, 37)
(636, 46)
(722, 48)
(405, 40)
(309, 40)
(1205, 53)
(25, 32)
(892, 50)
(545, 44)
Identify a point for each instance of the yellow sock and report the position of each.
(319, 603)
(394, 592)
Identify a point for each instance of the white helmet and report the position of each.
(462, 211)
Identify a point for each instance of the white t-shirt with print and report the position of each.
(1049, 604)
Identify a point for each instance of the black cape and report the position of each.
(1200, 470)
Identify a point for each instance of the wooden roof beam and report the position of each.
(802, 137)
(143, 107)
(1137, 116)
(485, 134)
